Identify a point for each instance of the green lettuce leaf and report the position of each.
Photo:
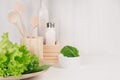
(70, 51)
(15, 59)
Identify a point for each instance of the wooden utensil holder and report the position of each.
(35, 45)
(50, 54)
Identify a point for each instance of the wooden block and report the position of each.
(50, 49)
(34, 45)
(54, 46)
(50, 58)
(50, 54)
(51, 61)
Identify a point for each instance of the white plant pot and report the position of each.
(69, 62)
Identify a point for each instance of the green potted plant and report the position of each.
(69, 57)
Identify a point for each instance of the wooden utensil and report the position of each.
(19, 7)
(34, 22)
(13, 18)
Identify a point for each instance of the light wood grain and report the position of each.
(51, 61)
(25, 76)
(50, 54)
(50, 58)
(50, 49)
(36, 43)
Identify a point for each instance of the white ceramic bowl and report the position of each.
(69, 62)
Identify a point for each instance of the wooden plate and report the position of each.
(25, 76)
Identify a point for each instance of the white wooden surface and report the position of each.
(97, 68)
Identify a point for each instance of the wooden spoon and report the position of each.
(19, 7)
(34, 22)
(13, 18)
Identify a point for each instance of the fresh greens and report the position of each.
(70, 51)
(16, 60)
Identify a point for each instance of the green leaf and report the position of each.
(70, 51)
(44, 67)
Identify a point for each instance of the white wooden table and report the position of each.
(108, 69)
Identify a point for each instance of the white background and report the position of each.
(91, 25)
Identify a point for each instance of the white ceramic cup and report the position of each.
(68, 62)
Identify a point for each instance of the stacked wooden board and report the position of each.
(51, 53)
